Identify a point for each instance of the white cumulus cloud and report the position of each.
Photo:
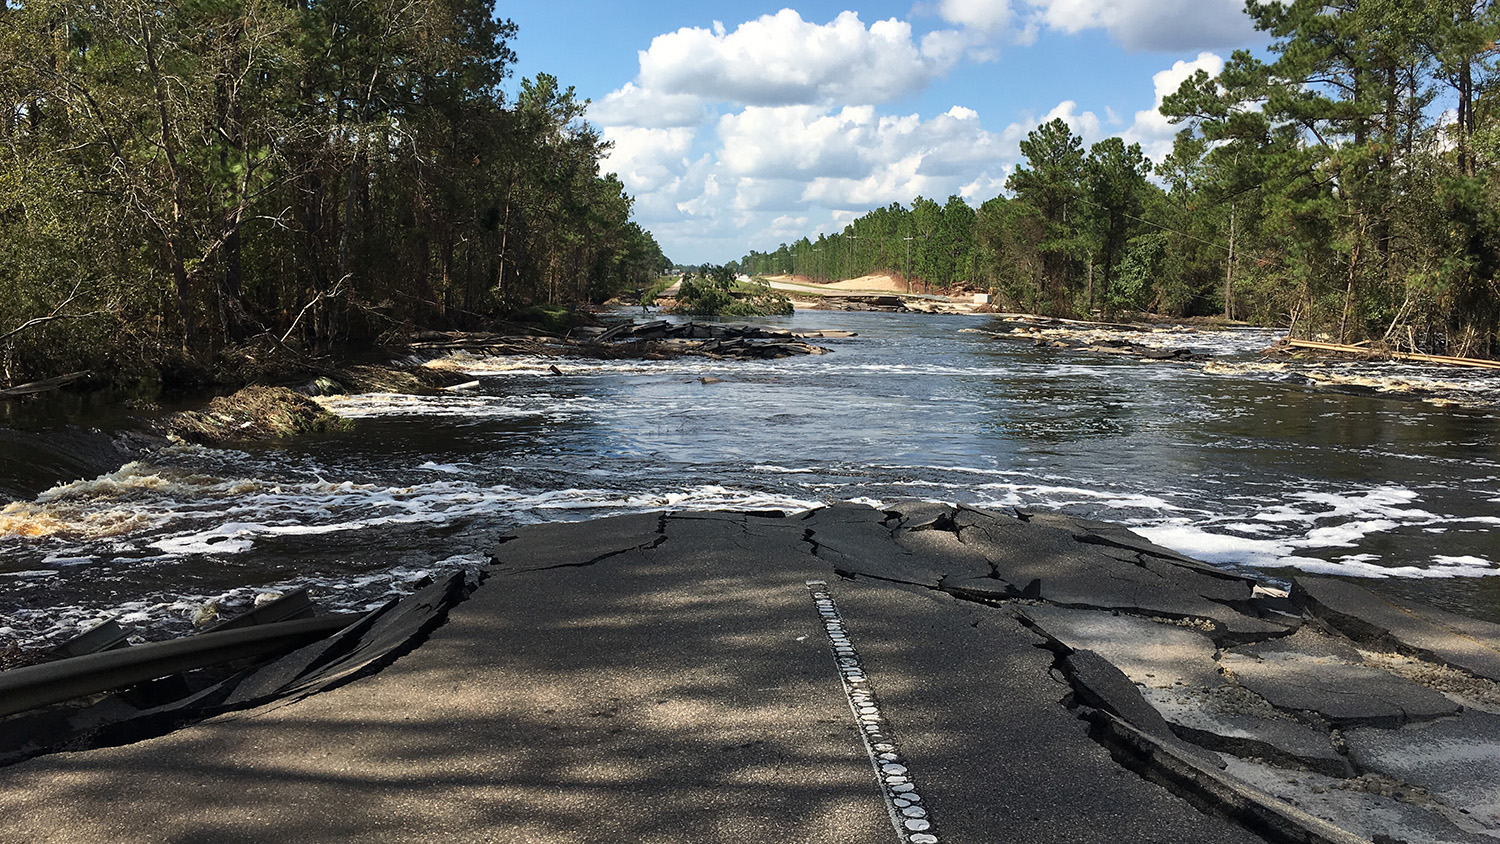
(647, 159)
(782, 59)
(856, 158)
(983, 15)
(631, 105)
(738, 137)
(1160, 25)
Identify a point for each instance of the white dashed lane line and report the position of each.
(907, 808)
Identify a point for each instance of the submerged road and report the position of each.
(920, 674)
(645, 679)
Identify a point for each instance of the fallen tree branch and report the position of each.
(43, 385)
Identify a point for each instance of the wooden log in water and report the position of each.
(1407, 356)
(43, 385)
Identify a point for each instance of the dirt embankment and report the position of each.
(879, 283)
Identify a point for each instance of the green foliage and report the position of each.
(715, 291)
(554, 318)
(1144, 262)
(178, 175)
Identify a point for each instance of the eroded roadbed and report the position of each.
(918, 674)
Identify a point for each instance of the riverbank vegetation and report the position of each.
(716, 291)
(181, 178)
(1346, 183)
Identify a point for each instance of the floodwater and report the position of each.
(1271, 468)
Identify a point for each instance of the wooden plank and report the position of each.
(1407, 356)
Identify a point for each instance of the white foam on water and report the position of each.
(164, 616)
(66, 560)
(372, 405)
(1195, 540)
(447, 468)
(1059, 497)
(1308, 521)
(1381, 501)
(541, 367)
(1462, 562)
(1247, 527)
(1348, 534)
(324, 508)
(706, 497)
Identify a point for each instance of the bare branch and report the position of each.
(57, 314)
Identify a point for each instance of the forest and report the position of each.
(181, 177)
(1345, 183)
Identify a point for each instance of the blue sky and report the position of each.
(744, 125)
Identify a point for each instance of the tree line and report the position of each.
(1347, 184)
(177, 176)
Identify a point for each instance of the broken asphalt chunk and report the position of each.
(1281, 741)
(1456, 760)
(1433, 635)
(1337, 691)
(1150, 653)
(1099, 684)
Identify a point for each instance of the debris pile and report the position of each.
(712, 340)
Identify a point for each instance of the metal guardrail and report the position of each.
(53, 682)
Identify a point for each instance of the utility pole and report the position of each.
(852, 253)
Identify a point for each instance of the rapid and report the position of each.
(1250, 464)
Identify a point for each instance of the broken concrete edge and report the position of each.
(1099, 684)
(1209, 790)
(1456, 649)
(320, 673)
(442, 595)
(1351, 626)
(35, 686)
(214, 700)
(327, 665)
(1250, 748)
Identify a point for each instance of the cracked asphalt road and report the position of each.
(651, 678)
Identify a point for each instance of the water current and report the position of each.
(1248, 465)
